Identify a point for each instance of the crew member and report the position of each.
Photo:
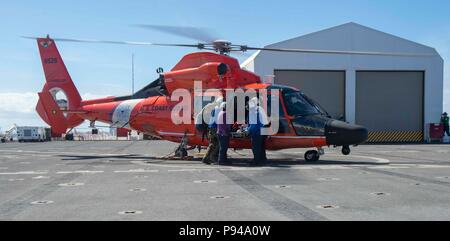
(212, 152)
(444, 121)
(257, 119)
(223, 132)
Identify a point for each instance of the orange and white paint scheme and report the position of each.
(302, 123)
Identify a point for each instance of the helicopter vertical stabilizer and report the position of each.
(59, 85)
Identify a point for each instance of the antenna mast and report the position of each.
(132, 73)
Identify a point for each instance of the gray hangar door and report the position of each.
(325, 87)
(390, 105)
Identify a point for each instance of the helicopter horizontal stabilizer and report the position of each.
(51, 113)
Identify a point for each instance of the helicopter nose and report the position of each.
(340, 133)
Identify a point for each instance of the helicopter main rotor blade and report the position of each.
(198, 34)
(322, 51)
(96, 41)
(241, 48)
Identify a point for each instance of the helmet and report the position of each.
(253, 102)
(223, 105)
(445, 113)
(218, 101)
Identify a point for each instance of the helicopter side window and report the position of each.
(309, 117)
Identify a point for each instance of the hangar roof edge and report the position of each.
(358, 26)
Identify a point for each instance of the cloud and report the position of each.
(9, 118)
(18, 108)
(18, 102)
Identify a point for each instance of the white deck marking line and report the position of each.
(136, 171)
(240, 169)
(41, 177)
(378, 159)
(431, 166)
(331, 167)
(390, 167)
(189, 170)
(79, 171)
(303, 168)
(201, 168)
(16, 179)
(171, 166)
(70, 153)
(221, 168)
(23, 173)
(397, 151)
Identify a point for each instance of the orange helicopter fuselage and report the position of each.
(152, 115)
(150, 110)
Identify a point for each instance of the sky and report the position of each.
(103, 70)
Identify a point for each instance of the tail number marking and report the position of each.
(50, 60)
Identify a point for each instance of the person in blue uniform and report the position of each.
(257, 120)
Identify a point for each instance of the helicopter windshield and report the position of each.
(297, 104)
(317, 106)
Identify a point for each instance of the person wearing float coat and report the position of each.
(223, 132)
(444, 122)
(257, 119)
(212, 152)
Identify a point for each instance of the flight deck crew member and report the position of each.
(257, 119)
(223, 132)
(212, 152)
(444, 121)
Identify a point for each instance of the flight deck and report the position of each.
(131, 180)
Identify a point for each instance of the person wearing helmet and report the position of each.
(223, 132)
(212, 152)
(257, 119)
(444, 121)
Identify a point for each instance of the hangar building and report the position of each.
(395, 97)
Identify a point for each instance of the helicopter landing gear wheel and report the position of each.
(312, 156)
(345, 150)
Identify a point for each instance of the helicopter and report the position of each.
(302, 122)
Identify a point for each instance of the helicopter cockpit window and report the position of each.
(298, 105)
(317, 106)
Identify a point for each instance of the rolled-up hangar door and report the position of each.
(326, 87)
(390, 104)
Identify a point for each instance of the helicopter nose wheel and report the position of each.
(345, 150)
(312, 156)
